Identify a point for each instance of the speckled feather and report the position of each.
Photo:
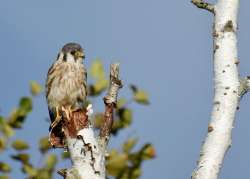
(65, 85)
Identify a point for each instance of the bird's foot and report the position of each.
(56, 121)
(69, 111)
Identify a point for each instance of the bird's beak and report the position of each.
(79, 54)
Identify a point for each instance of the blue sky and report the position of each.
(164, 47)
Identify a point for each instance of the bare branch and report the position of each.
(110, 101)
(244, 86)
(203, 5)
(114, 86)
(62, 172)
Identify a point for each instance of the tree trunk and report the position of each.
(226, 85)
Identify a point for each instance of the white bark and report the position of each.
(226, 97)
(87, 158)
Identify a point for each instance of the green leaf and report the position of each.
(100, 85)
(148, 152)
(22, 157)
(8, 131)
(97, 88)
(44, 144)
(129, 145)
(4, 177)
(140, 96)
(126, 116)
(3, 143)
(25, 105)
(124, 120)
(18, 115)
(121, 102)
(136, 173)
(6, 128)
(4, 167)
(2, 121)
(16, 119)
(43, 173)
(65, 155)
(133, 88)
(29, 170)
(116, 162)
(51, 161)
(20, 145)
(35, 88)
(97, 70)
(117, 125)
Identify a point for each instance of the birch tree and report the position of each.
(228, 87)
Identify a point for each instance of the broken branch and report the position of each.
(203, 5)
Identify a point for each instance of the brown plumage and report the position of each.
(66, 82)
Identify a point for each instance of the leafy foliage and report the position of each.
(18, 115)
(4, 167)
(140, 96)
(35, 88)
(121, 164)
(20, 145)
(98, 74)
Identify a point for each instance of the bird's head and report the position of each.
(71, 52)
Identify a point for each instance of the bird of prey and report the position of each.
(66, 83)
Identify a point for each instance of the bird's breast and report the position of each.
(66, 87)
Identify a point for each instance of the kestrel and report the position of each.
(66, 82)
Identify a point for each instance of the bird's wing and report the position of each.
(50, 77)
(82, 86)
(85, 81)
(52, 114)
(49, 81)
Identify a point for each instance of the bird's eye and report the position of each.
(73, 52)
